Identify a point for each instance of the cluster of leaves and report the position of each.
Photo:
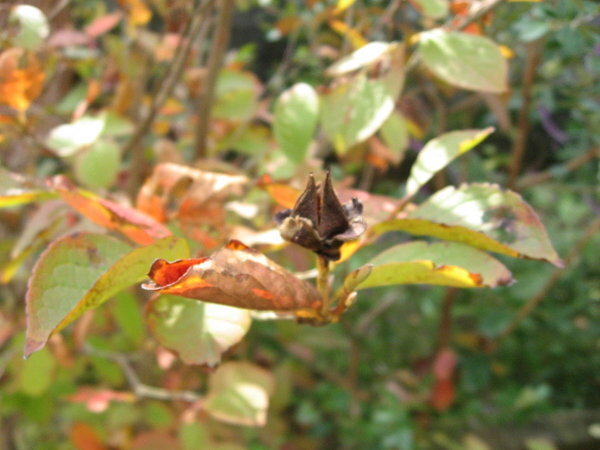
(92, 102)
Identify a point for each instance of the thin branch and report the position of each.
(204, 104)
(569, 166)
(140, 389)
(534, 301)
(532, 60)
(195, 32)
(445, 328)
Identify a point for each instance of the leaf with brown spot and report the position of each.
(235, 275)
(440, 263)
(134, 224)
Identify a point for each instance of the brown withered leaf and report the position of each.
(236, 275)
(194, 197)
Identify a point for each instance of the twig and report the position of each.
(531, 65)
(569, 166)
(140, 389)
(369, 317)
(323, 283)
(445, 328)
(528, 307)
(195, 31)
(219, 46)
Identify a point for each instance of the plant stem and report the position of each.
(323, 283)
(204, 103)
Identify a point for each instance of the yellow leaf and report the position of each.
(138, 12)
(342, 5)
(506, 52)
(352, 34)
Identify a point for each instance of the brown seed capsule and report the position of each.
(320, 222)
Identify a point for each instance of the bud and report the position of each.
(319, 222)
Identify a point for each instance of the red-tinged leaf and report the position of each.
(134, 224)
(444, 364)
(238, 393)
(483, 216)
(98, 400)
(80, 272)
(443, 394)
(103, 24)
(236, 275)
(194, 197)
(16, 190)
(199, 332)
(85, 437)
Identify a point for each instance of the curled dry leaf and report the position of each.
(236, 275)
(194, 197)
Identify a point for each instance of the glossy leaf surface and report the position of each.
(483, 216)
(439, 152)
(440, 263)
(238, 393)
(198, 332)
(464, 60)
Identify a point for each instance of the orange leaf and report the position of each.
(282, 193)
(84, 437)
(134, 224)
(21, 78)
(235, 275)
(195, 197)
(443, 394)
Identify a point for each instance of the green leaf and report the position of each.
(436, 9)
(354, 109)
(98, 166)
(363, 57)
(128, 315)
(483, 216)
(67, 139)
(236, 95)
(37, 374)
(239, 393)
(199, 332)
(295, 121)
(33, 25)
(464, 60)
(440, 263)
(439, 152)
(394, 132)
(81, 271)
